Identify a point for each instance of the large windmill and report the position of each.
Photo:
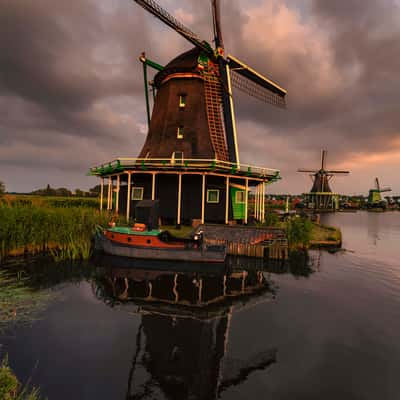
(321, 196)
(202, 79)
(192, 135)
(374, 195)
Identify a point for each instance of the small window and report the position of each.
(213, 196)
(179, 132)
(182, 101)
(137, 193)
(240, 197)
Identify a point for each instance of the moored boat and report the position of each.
(144, 240)
(156, 245)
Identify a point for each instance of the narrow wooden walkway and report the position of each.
(248, 241)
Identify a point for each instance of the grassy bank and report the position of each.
(323, 235)
(11, 388)
(60, 227)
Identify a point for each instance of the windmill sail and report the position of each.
(152, 7)
(251, 82)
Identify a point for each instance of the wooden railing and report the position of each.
(122, 163)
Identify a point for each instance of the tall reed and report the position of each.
(64, 232)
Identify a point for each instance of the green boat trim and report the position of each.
(128, 231)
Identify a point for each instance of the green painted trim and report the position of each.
(153, 64)
(127, 230)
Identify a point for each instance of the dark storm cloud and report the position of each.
(47, 52)
(71, 89)
(356, 106)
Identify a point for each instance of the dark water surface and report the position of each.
(324, 329)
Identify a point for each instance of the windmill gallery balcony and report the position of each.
(188, 189)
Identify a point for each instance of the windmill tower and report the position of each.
(190, 158)
(321, 196)
(374, 195)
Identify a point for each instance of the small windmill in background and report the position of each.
(321, 196)
(375, 197)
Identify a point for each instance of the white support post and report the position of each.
(263, 202)
(109, 193)
(117, 195)
(246, 204)
(153, 186)
(256, 203)
(227, 201)
(101, 193)
(203, 195)
(178, 217)
(128, 197)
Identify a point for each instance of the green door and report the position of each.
(238, 203)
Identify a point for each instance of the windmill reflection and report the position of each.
(181, 344)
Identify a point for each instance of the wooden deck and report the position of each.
(248, 241)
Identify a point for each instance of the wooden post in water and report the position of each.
(128, 197)
(200, 297)
(174, 290)
(101, 193)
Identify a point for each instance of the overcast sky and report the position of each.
(71, 86)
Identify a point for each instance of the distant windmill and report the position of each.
(321, 196)
(374, 195)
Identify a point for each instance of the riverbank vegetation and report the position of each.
(20, 303)
(11, 388)
(62, 228)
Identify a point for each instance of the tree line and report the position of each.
(62, 192)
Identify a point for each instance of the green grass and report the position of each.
(10, 387)
(322, 233)
(60, 227)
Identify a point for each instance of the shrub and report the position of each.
(299, 232)
(8, 382)
(11, 389)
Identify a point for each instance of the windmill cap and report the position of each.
(185, 62)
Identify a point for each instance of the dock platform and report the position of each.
(249, 241)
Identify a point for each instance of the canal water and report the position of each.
(323, 328)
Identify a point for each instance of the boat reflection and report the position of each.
(182, 340)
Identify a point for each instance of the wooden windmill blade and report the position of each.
(311, 171)
(253, 83)
(323, 159)
(377, 186)
(386, 189)
(154, 8)
(217, 23)
(336, 172)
